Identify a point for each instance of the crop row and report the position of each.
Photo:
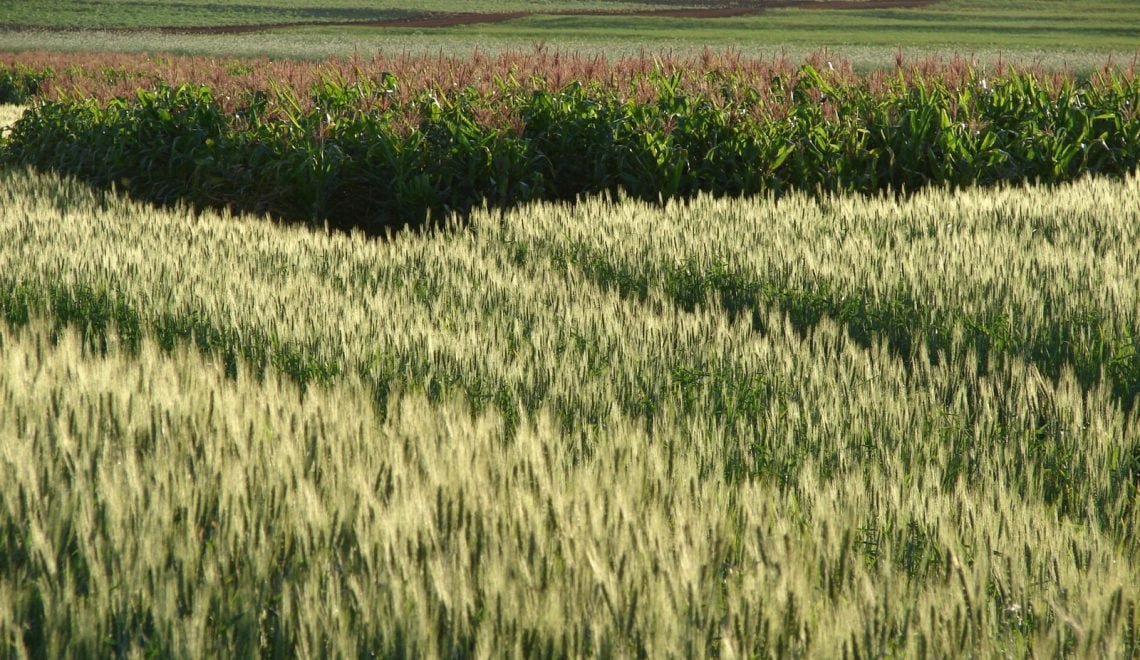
(371, 149)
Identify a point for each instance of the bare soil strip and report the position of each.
(453, 19)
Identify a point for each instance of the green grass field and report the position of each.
(208, 13)
(962, 24)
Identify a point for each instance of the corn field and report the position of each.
(383, 143)
(804, 426)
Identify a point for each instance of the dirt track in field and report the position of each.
(453, 19)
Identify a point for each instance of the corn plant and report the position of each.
(356, 147)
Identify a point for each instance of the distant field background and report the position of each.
(1065, 34)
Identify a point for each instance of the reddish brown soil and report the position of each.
(452, 19)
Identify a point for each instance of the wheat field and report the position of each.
(733, 427)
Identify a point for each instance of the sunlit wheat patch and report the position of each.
(795, 427)
(9, 114)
